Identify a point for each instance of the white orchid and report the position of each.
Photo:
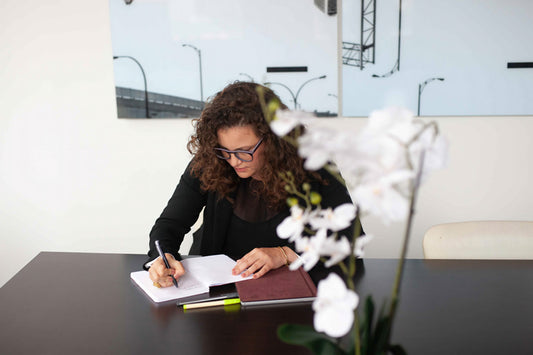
(334, 306)
(380, 166)
(360, 244)
(318, 146)
(334, 219)
(312, 248)
(383, 196)
(391, 123)
(292, 227)
(435, 150)
(336, 250)
(285, 121)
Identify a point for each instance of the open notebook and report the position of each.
(202, 272)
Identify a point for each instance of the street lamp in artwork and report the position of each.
(200, 63)
(147, 111)
(421, 88)
(295, 96)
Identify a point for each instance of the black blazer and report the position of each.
(189, 199)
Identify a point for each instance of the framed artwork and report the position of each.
(451, 58)
(445, 58)
(170, 56)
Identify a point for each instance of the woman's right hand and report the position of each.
(159, 273)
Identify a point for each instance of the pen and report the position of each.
(225, 302)
(160, 251)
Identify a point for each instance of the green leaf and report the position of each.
(397, 350)
(305, 335)
(381, 333)
(366, 325)
(375, 333)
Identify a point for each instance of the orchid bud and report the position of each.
(315, 198)
(292, 201)
(273, 106)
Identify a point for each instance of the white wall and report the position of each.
(73, 177)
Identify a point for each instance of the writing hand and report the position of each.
(160, 274)
(261, 260)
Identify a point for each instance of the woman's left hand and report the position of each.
(260, 261)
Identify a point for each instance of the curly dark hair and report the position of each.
(237, 105)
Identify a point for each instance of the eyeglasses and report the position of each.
(242, 155)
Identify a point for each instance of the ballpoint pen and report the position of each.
(160, 251)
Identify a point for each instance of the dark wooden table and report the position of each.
(76, 303)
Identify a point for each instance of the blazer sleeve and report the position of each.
(179, 215)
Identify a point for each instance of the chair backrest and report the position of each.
(479, 240)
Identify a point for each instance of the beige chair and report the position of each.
(479, 240)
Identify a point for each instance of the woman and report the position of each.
(234, 177)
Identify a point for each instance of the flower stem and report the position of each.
(400, 267)
(351, 284)
(343, 267)
(356, 333)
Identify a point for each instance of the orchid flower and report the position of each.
(360, 244)
(293, 226)
(334, 306)
(312, 248)
(382, 196)
(435, 149)
(336, 250)
(317, 146)
(334, 219)
(286, 120)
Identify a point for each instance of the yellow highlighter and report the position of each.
(226, 302)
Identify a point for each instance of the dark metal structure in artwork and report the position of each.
(359, 54)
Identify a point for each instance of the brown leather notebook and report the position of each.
(277, 286)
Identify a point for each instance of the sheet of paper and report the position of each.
(187, 286)
(213, 270)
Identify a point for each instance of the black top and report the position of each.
(253, 223)
(231, 228)
(250, 205)
(243, 236)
